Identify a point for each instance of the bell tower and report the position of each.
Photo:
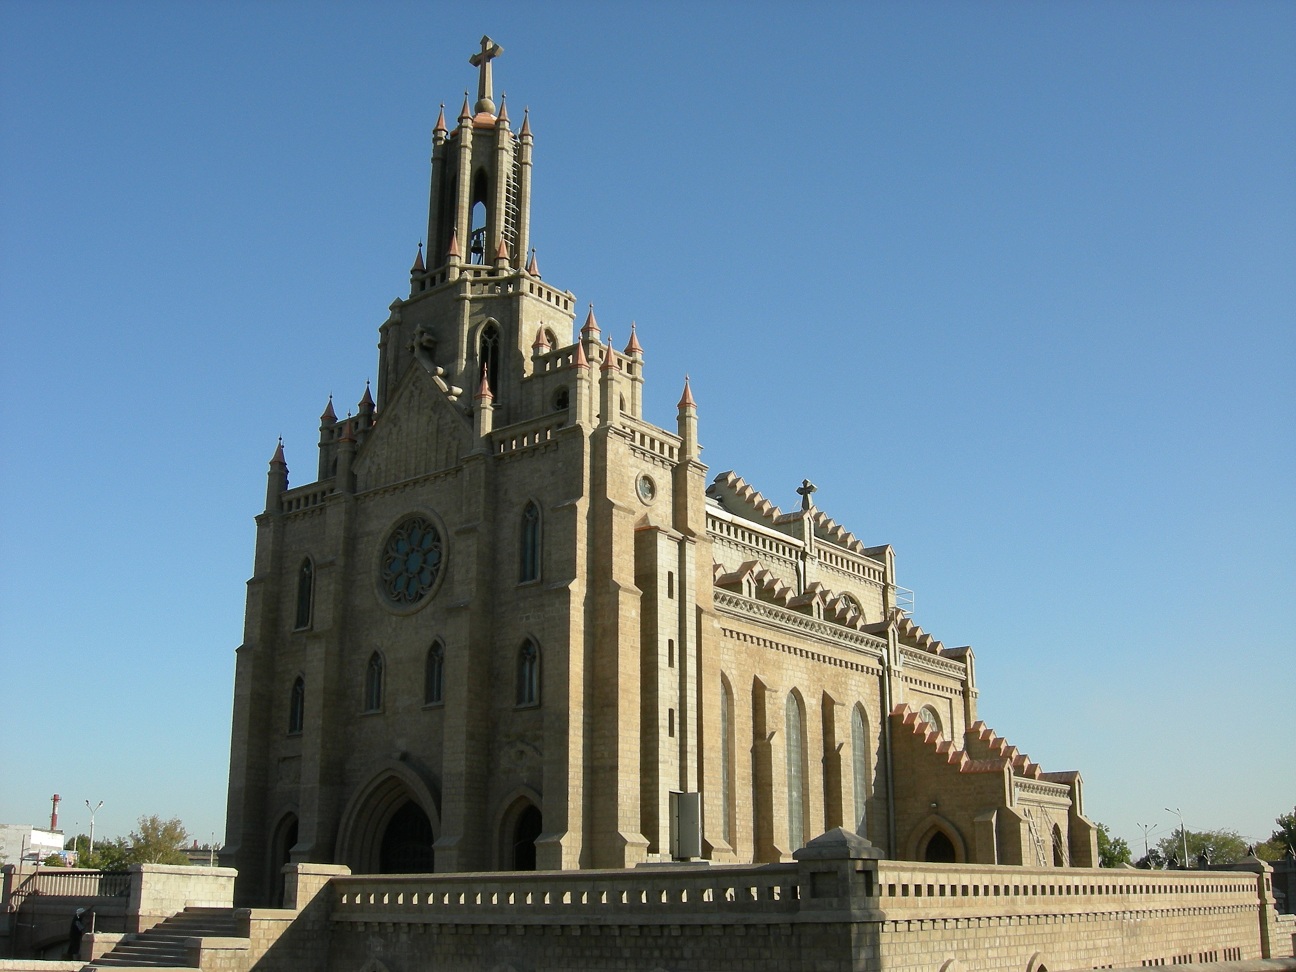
(479, 203)
(476, 302)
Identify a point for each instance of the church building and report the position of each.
(513, 624)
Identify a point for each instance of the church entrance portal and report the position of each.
(407, 842)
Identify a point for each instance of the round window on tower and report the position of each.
(411, 562)
(646, 488)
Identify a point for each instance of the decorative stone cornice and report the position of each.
(775, 616)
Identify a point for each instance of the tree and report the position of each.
(158, 841)
(1112, 851)
(109, 855)
(1221, 846)
(1281, 841)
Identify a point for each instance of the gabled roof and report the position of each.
(730, 485)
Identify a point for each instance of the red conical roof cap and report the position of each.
(686, 400)
(591, 325)
(418, 260)
(633, 347)
(440, 124)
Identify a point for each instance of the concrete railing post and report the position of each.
(837, 872)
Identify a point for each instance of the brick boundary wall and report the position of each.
(838, 907)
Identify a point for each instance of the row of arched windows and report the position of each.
(796, 764)
(527, 682)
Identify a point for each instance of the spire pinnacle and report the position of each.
(532, 267)
(501, 251)
(591, 326)
(453, 253)
(610, 362)
(418, 260)
(526, 124)
(465, 115)
(328, 417)
(686, 400)
(633, 347)
(367, 402)
(578, 358)
(503, 112)
(541, 342)
(440, 122)
(482, 62)
(483, 390)
(278, 458)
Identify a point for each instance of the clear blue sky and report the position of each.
(1013, 283)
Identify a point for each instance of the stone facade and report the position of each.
(511, 625)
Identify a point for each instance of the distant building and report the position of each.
(25, 843)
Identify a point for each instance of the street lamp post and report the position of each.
(1182, 833)
(1145, 828)
(93, 810)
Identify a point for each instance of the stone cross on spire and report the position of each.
(482, 62)
(807, 489)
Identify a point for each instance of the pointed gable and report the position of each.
(419, 433)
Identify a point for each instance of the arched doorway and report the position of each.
(406, 846)
(285, 839)
(517, 829)
(391, 824)
(940, 849)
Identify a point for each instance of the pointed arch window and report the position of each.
(726, 761)
(528, 673)
(305, 595)
(373, 683)
(859, 765)
(434, 675)
(796, 767)
(488, 357)
(529, 549)
(297, 706)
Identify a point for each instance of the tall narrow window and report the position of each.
(373, 686)
(726, 762)
(529, 568)
(859, 761)
(297, 706)
(488, 357)
(528, 673)
(434, 674)
(305, 594)
(795, 722)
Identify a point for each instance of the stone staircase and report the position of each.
(163, 945)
